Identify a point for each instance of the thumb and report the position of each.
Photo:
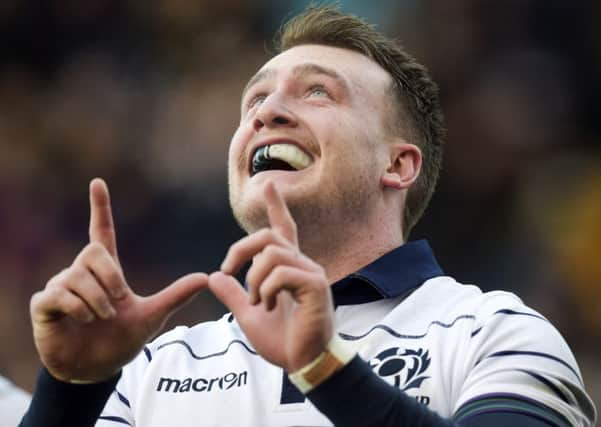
(164, 303)
(229, 291)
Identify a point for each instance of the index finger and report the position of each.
(278, 213)
(102, 229)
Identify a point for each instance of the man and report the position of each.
(334, 161)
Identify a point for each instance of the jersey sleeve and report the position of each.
(119, 409)
(516, 358)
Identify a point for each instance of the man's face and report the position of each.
(323, 113)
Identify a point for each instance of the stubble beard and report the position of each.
(325, 221)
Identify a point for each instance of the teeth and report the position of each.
(290, 154)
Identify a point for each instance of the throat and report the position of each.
(342, 250)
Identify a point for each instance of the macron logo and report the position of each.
(199, 385)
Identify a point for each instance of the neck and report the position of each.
(342, 252)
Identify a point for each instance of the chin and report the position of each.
(250, 215)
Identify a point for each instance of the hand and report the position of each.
(87, 322)
(287, 313)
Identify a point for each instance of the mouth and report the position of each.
(279, 156)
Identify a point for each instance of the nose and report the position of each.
(272, 113)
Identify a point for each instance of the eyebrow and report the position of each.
(301, 70)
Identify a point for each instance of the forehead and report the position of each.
(358, 71)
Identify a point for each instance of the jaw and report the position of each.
(247, 197)
(333, 213)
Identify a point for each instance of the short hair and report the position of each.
(417, 117)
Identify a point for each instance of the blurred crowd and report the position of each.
(146, 95)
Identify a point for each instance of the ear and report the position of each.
(405, 162)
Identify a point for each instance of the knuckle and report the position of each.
(264, 232)
(234, 249)
(281, 272)
(237, 249)
(114, 277)
(74, 308)
(76, 273)
(265, 292)
(36, 299)
(94, 249)
(49, 294)
(99, 299)
(319, 269)
(69, 305)
(313, 266)
(271, 251)
(320, 281)
(251, 278)
(93, 294)
(52, 283)
(293, 226)
(58, 280)
(85, 253)
(54, 293)
(267, 235)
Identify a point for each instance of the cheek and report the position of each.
(236, 155)
(352, 154)
(235, 143)
(232, 155)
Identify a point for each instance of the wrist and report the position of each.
(337, 354)
(98, 379)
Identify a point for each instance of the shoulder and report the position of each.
(501, 324)
(512, 350)
(466, 296)
(449, 298)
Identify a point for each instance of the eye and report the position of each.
(318, 91)
(256, 100)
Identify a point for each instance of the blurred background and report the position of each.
(146, 95)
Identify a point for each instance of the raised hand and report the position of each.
(87, 322)
(287, 313)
